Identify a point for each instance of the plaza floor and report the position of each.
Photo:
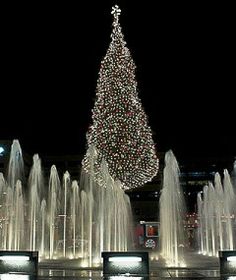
(198, 267)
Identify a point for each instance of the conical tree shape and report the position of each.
(120, 131)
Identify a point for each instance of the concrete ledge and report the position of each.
(119, 263)
(227, 262)
(19, 261)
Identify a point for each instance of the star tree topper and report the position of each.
(116, 11)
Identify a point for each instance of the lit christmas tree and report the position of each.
(119, 131)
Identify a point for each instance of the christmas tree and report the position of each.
(119, 131)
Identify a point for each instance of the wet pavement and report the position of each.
(91, 274)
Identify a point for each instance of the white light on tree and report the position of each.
(1, 150)
(119, 130)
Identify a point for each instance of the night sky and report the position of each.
(185, 58)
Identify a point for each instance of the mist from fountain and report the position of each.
(66, 185)
(16, 165)
(35, 184)
(54, 208)
(234, 175)
(75, 207)
(216, 211)
(110, 209)
(77, 219)
(172, 213)
(229, 211)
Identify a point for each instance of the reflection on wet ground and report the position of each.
(91, 274)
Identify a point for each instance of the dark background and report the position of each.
(185, 58)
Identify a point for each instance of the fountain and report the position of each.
(70, 220)
(16, 165)
(35, 191)
(216, 211)
(234, 175)
(172, 213)
(12, 201)
(107, 205)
